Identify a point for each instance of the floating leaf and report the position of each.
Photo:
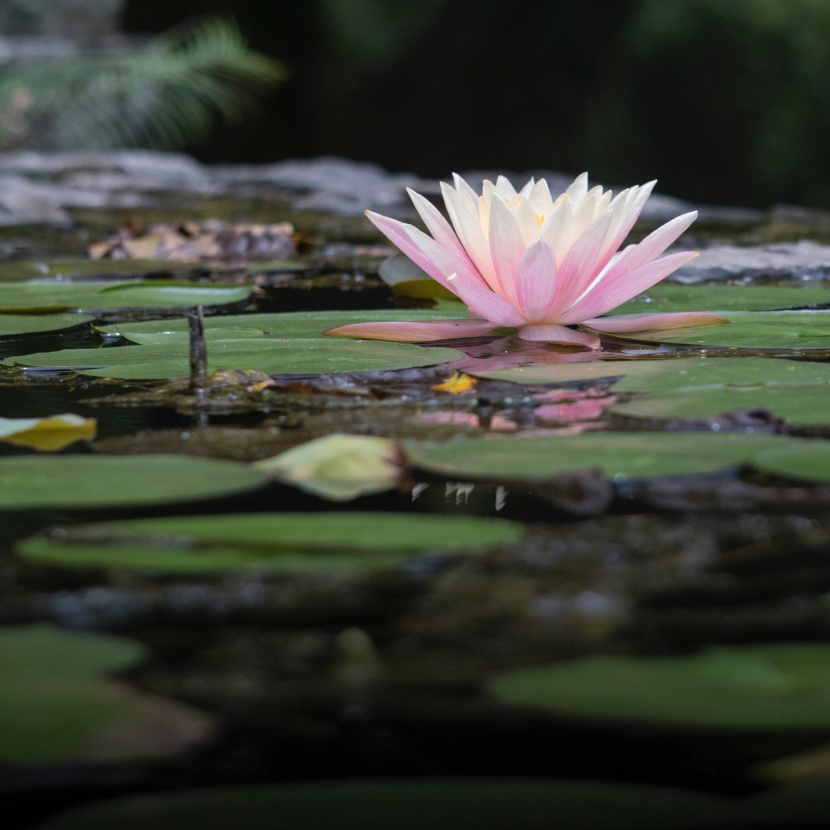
(51, 433)
(275, 541)
(339, 467)
(751, 330)
(617, 454)
(272, 343)
(93, 296)
(671, 297)
(86, 481)
(437, 804)
(802, 462)
(763, 688)
(456, 384)
(15, 325)
(56, 704)
(669, 374)
(29, 269)
(808, 405)
(301, 324)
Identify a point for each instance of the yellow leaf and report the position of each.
(339, 467)
(458, 384)
(52, 433)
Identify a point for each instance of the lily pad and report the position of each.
(808, 405)
(29, 269)
(57, 705)
(751, 330)
(763, 688)
(670, 297)
(53, 432)
(806, 462)
(16, 325)
(339, 467)
(448, 804)
(87, 481)
(670, 374)
(618, 454)
(272, 343)
(93, 296)
(302, 324)
(275, 541)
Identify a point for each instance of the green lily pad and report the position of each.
(93, 296)
(302, 324)
(87, 481)
(763, 688)
(808, 405)
(272, 343)
(663, 375)
(448, 804)
(806, 462)
(751, 330)
(276, 541)
(29, 269)
(670, 297)
(16, 325)
(57, 705)
(618, 454)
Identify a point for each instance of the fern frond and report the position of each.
(162, 97)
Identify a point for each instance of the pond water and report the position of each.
(534, 582)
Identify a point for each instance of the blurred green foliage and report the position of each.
(162, 96)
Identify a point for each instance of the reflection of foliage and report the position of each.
(163, 96)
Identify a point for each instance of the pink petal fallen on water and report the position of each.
(414, 332)
(499, 422)
(654, 322)
(587, 409)
(560, 335)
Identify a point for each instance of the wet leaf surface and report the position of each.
(17, 325)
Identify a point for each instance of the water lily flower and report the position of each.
(541, 265)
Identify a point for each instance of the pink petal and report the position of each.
(654, 322)
(424, 251)
(559, 334)
(414, 332)
(654, 244)
(465, 218)
(536, 281)
(507, 246)
(628, 215)
(614, 290)
(578, 269)
(486, 304)
(440, 229)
